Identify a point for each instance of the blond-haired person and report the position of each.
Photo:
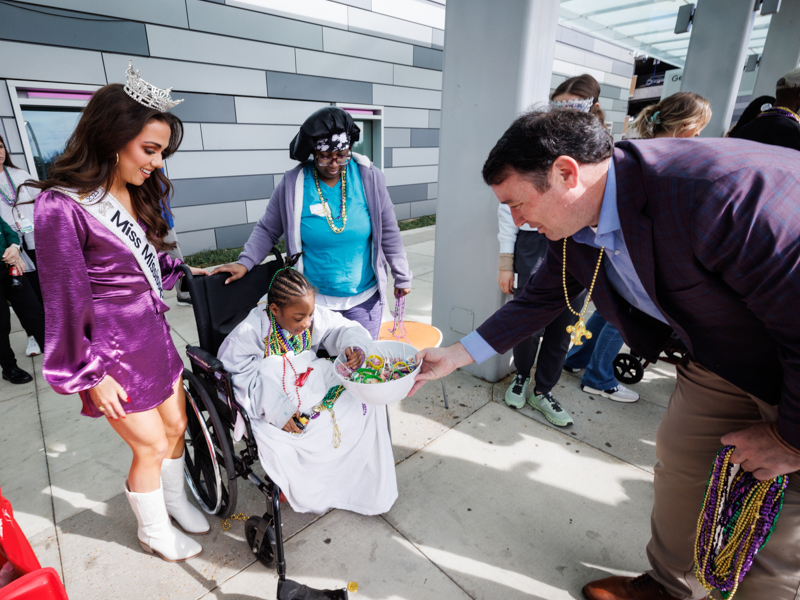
(681, 115)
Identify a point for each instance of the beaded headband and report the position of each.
(336, 143)
(580, 105)
(146, 93)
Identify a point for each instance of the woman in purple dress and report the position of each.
(102, 272)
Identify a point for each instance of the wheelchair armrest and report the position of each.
(204, 359)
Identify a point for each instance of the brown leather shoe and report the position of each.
(642, 587)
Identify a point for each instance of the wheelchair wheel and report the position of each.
(266, 553)
(628, 369)
(209, 452)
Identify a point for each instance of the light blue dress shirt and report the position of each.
(616, 261)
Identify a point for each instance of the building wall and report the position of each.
(612, 66)
(250, 72)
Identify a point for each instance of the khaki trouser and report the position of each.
(702, 409)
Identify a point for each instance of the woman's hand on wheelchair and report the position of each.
(106, 396)
(196, 271)
(237, 271)
(291, 426)
(438, 362)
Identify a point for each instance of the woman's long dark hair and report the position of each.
(110, 120)
(7, 161)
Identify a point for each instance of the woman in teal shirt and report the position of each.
(334, 207)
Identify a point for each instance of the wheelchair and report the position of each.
(213, 467)
(629, 368)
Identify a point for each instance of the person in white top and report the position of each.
(16, 209)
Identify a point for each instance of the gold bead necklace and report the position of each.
(577, 331)
(327, 208)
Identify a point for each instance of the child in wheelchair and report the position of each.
(324, 448)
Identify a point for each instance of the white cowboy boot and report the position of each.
(156, 534)
(190, 519)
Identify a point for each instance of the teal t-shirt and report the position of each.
(338, 264)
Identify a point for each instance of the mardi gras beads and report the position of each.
(377, 369)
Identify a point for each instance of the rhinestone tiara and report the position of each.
(146, 93)
(579, 105)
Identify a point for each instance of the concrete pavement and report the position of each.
(494, 502)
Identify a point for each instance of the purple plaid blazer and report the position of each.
(712, 227)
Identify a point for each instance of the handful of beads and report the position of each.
(377, 368)
(738, 516)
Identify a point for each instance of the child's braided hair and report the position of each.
(289, 283)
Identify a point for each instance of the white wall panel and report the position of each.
(419, 78)
(389, 95)
(47, 63)
(364, 21)
(314, 11)
(197, 241)
(412, 157)
(193, 46)
(269, 110)
(396, 138)
(165, 12)
(191, 218)
(223, 136)
(189, 165)
(409, 175)
(192, 139)
(405, 117)
(417, 11)
(189, 77)
(256, 209)
(366, 46)
(322, 64)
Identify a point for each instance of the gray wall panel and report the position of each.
(404, 117)
(409, 175)
(235, 236)
(428, 58)
(575, 38)
(424, 138)
(205, 108)
(217, 49)
(192, 139)
(189, 165)
(435, 119)
(213, 190)
(46, 63)
(396, 137)
(247, 137)
(401, 194)
(323, 64)
(308, 87)
(197, 241)
(414, 77)
(5, 101)
(189, 77)
(365, 4)
(262, 110)
(165, 12)
(611, 91)
(12, 136)
(371, 23)
(324, 13)
(423, 209)
(71, 29)
(212, 215)
(392, 95)
(402, 211)
(228, 20)
(416, 156)
(387, 157)
(622, 68)
(438, 39)
(433, 190)
(366, 46)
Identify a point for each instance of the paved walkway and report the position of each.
(494, 503)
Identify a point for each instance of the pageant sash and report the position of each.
(113, 216)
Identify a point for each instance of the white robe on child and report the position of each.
(314, 476)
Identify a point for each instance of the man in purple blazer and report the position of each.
(699, 237)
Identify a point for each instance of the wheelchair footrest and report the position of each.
(291, 590)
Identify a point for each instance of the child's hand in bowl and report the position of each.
(354, 357)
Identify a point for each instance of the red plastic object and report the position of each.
(14, 545)
(43, 584)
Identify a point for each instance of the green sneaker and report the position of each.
(516, 392)
(550, 408)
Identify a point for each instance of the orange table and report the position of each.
(419, 335)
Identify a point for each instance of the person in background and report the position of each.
(755, 108)
(522, 252)
(682, 115)
(780, 124)
(335, 208)
(19, 293)
(16, 209)
(184, 299)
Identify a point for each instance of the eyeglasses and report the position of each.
(324, 161)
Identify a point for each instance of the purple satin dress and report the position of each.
(101, 316)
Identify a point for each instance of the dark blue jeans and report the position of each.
(597, 354)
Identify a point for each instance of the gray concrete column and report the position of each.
(781, 50)
(497, 62)
(715, 59)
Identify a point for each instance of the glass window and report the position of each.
(364, 145)
(48, 130)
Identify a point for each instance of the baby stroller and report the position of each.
(212, 465)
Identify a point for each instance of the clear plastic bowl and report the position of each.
(387, 392)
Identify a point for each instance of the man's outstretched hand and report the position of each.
(438, 362)
(761, 450)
